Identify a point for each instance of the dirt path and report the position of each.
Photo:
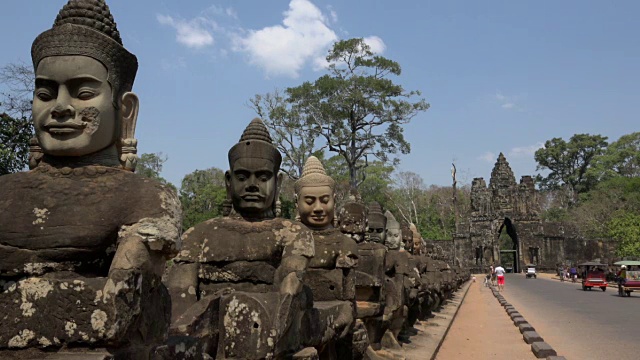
(483, 330)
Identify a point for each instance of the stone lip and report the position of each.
(539, 348)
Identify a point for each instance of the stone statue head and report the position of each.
(377, 223)
(352, 220)
(82, 103)
(407, 236)
(253, 180)
(393, 238)
(315, 195)
(417, 240)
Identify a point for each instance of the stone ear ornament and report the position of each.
(128, 151)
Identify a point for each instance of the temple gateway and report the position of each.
(504, 226)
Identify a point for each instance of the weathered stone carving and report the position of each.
(237, 285)
(403, 289)
(84, 241)
(377, 223)
(331, 275)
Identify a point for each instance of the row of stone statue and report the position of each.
(93, 265)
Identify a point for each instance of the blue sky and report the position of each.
(501, 76)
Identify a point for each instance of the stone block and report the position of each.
(542, 350)
(514, 314)
(519, 320)
(531, 337)
(512, 311)
(525, 327)
(556, 358)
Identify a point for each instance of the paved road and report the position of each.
(578, 324)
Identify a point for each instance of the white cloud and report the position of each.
(488, 156)
(525, 151)
(376, 44)
(507, 102)
(285, 49)
(192, 33)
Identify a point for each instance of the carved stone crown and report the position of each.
(86, 27)
(376, 217)
(313, 174)
(392, 223)
(255, 142)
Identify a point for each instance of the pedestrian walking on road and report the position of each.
(499, 271)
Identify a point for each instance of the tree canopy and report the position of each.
(15, 116)
(568, 163)
(356, 109)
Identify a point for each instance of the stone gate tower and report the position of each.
(505, 207)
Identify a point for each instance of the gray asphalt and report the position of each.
(578, 324)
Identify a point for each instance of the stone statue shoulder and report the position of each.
(50, 215)
(332, 244)
(399, 262)
(235, 239)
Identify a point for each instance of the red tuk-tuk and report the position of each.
(593, 276)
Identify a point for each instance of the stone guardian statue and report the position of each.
(84, 240)
(236, 286)
(331, 274)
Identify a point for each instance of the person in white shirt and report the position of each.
(499, 270)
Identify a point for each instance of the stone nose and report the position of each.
(63, 107)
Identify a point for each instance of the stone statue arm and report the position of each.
(144, 246)
(348, 258)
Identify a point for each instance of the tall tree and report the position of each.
(291, 132)
(569, 162)
(202, 194)
(356, 108)
(409, 187)
(622, 158)
(16, 127)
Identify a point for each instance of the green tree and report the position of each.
(569, 162)
(375, 185)
(622, 158)
(202, 194)
(291, 132)
(16, 127)
(625, 227)
(356, 108)
(150, 166)
(14, 143)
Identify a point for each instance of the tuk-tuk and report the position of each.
(531, 271)
(629, 280)
(593, 275)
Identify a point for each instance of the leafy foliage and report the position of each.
(625, 227)
(568, 163)
(14, 143)
(621, 158)
(15, 116)
(202, 194)
(356, 109)
(291, 132)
